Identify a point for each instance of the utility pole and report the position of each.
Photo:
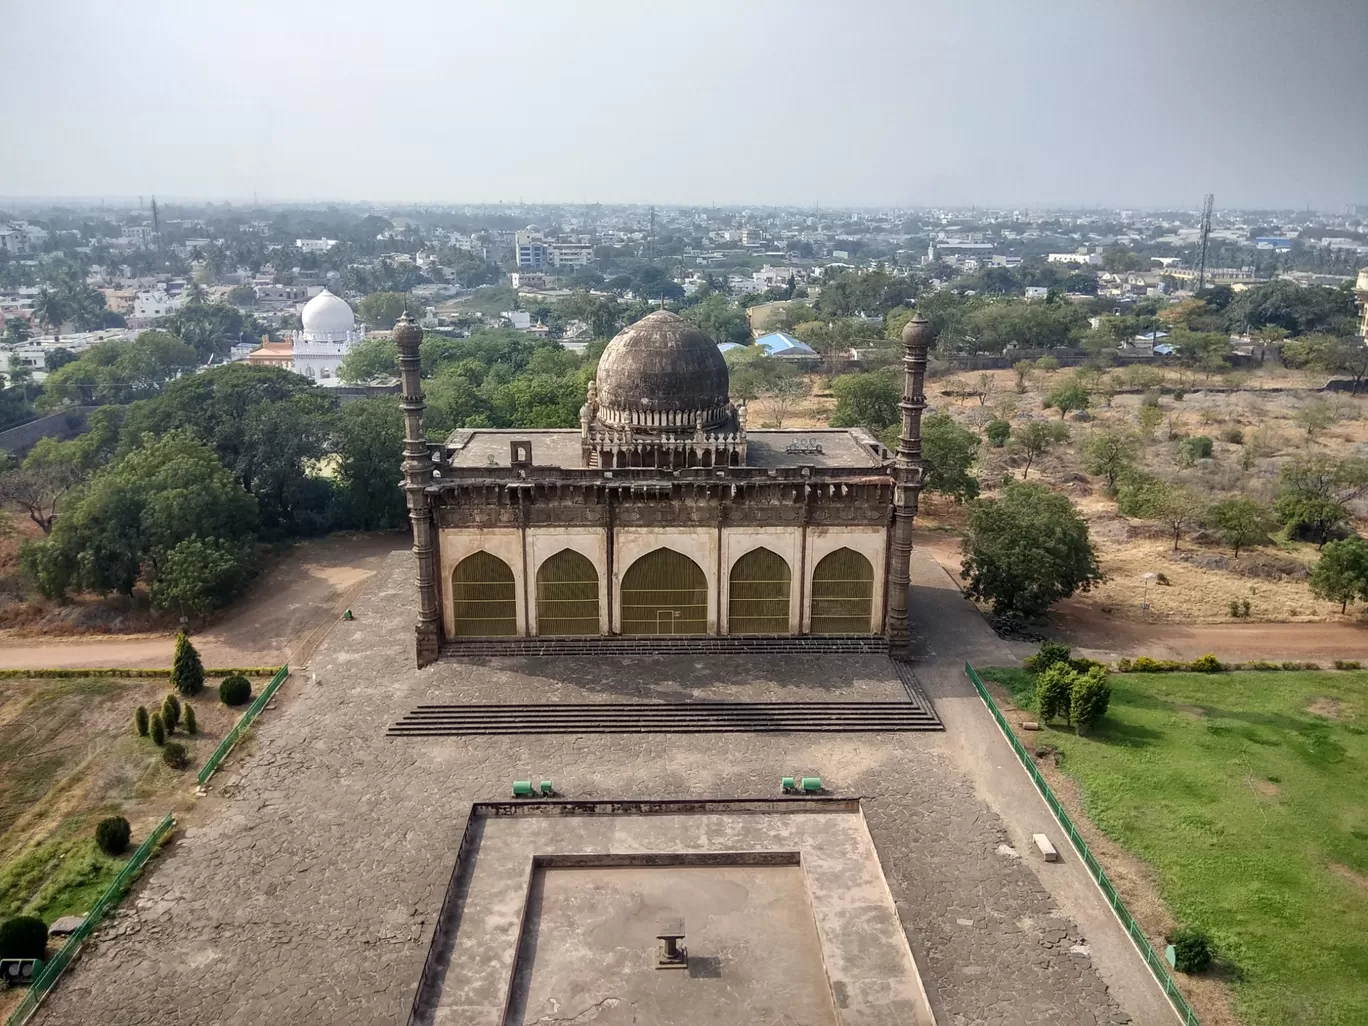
(1206, 237)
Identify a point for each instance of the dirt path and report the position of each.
(284, 613)
(1082, 624)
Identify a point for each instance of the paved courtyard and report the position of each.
(309, 891)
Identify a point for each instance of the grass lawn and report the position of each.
(68, 758)
(1248, 795)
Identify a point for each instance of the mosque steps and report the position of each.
(755, 644)
(666, 718)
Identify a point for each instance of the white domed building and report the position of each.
(330, 330)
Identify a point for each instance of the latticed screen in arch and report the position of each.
(664, 592)
(759, 599)
(567, 595)
(842, 594)
(484, 598)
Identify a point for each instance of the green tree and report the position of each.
(134, 513)
(1054, 685)
(269, 428)
(866, 400)
(1331, 353)
(1068, 397)
(1037, 437)
(949, 451)
(370, 439)
(211, 329)
(1089, 698)
(52, 308)
(1341, 574)
(199, 575)
(1240, 522)
(720, 319)
(187, 672)
(998, 432)
(1027, 550)
(119, 372)
(369, 359)
(1313, 492)
(380, 310)
(1110, 452)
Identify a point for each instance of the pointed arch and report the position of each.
(567, 595)
(842, 594)
(759, 587)
(664, 592)
(484, 597)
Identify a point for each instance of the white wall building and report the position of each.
(569, 254)
(315, 245)
(150, 304)
(330, 331)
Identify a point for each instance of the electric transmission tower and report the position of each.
(1206, 237)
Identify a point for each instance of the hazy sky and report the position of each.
(996, 102)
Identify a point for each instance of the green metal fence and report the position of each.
(47, 979)
(248, 718)
(1152, 959)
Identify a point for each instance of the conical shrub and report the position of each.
(191, 727)
(187, 672)
(170, 710)
(140, 720)
(157, 729)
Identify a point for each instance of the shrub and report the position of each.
(1206, 664)
(175, 755)
(1261, 665)
(23, 937)
(157, 729)
(1190, 450)
(1232, 434)
(998, 431)
(1144, 664)
(1162, 578)
(1235, 608)
(191, 727)
(1192, 950)
(1123, 665)
(112, 834)
(1089, 698)
(1050, 652)
(1244, 608)
(235, 690)
(187, 672)
(1082, 664)
(1053, 688)
(170, 713)
(140, 720)
(1347, 664)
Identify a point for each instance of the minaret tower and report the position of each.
(907, 481)
(417, 476)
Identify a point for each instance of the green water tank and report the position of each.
(522, 788)
(811, 784)
(546, 789)
(786, 784)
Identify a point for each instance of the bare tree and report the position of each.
(783, 395)
(38, 492)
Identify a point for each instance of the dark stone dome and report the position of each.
(662, 364)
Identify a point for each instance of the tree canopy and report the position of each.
(1027, 550)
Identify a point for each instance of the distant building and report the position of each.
(569, 254)
(18, 237)
(272, 354)
(153, 303)
(530, 249)
(1080, 257)
(1036, 291)
(1361, 295)
(785, 346)
(329, 333)
(527, 280)
(315, 245)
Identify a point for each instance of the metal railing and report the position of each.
(226, 745)
(1137, 935)
(47, 979)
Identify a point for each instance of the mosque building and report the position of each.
(664, 514)
(330, 330)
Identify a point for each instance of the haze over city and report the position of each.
(910, 104)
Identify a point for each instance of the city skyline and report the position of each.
(1058, 106)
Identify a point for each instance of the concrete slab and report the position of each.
(786, 902)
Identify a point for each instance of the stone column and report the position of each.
(907, 481)
(417, 476)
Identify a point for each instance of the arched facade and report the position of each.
(664, 592)
(759, 594)
(567, 595)
(484, 597)
(842, 594)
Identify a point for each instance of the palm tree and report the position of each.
(52, 309)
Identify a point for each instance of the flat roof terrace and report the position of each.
(765, 448)
(555, 907)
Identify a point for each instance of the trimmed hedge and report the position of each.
(1210, 664)
(235, 690)
(53, 673)
(112, 834)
